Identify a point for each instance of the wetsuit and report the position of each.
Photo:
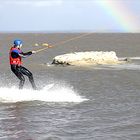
(17, 68)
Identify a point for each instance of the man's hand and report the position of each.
(49, 46)
(33, 52)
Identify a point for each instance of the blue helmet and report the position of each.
(17, 42)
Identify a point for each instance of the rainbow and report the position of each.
(121, 14)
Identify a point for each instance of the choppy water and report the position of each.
(72, 103)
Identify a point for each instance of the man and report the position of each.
(15, 57)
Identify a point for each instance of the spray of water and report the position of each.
(48, 94)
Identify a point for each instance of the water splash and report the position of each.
(48, 94)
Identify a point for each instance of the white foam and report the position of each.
(87, 58)
(47, 94)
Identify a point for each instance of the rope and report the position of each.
(63, 42)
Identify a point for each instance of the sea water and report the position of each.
(99, 102)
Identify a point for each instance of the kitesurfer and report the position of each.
(15, 57)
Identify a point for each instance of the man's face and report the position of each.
(19, 46)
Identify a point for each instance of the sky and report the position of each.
(69, 15)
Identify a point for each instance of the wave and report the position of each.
(135, 58)
(129, 58)
(48, 94)
(130, 66)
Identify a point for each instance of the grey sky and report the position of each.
(63, 15)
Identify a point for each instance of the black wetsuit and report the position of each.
(20, 71)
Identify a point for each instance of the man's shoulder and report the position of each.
(16, 50)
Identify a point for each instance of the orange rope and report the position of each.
(63, 42)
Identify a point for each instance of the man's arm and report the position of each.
(22, 54)
(16, 53)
